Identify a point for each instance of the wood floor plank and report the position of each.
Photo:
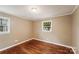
(38, 47)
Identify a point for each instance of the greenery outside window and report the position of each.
(47, 26)
(4, 25)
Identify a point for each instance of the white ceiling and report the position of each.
(43, 11)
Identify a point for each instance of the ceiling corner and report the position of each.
(74, 9)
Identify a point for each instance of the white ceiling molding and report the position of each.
(74, 9)
(43, 11)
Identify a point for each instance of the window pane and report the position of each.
(4, 22)
(0, 21)
(5, 28)
(1, 28)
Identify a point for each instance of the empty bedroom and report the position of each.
(39, 29)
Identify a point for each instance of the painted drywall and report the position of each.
(20, 30)
(61, 32)
(75, 28)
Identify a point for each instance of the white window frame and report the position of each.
(8, 24)
(43, 26)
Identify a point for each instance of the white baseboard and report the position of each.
(56, 44)
(39, 40)
(14, 45)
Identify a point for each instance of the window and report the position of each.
(47, 26)
(4, 25)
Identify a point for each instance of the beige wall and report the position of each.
(76, 28)
(61, 32)
(20, 30)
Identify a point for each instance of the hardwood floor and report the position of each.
(38, 47)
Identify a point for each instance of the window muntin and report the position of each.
(47, 26)
(4, 25)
